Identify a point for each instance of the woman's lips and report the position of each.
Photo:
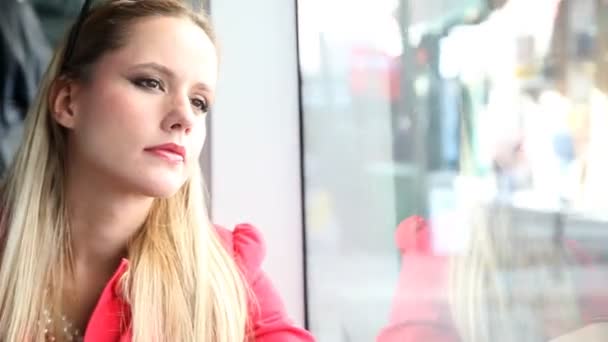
(167, 155)
(170, 152)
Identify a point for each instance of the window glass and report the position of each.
(455, 169)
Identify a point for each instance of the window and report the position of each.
(489, 121)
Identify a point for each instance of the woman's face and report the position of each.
(139, 122)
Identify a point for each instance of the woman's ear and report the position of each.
(61, 102)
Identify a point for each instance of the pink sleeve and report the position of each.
(269, 321)
(417, 332)
(420, 309)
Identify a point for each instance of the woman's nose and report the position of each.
(180, 116)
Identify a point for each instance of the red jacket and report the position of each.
(269, 319)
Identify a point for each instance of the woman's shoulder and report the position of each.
(246, 244)
(269, 318)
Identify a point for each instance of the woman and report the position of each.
(105, 232)
(505, 286)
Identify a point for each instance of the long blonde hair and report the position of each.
(492, 284)
(182, 284)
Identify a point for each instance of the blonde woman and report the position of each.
(507, 286)
(105, 235)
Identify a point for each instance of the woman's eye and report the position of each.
(149, 83)
(200, 104)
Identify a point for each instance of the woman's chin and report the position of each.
(164, 189)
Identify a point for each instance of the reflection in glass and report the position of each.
(488, 121)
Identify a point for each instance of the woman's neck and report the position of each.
(102, 220)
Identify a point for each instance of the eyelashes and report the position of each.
(200, 104)
(149, 83)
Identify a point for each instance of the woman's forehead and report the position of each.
(176, 43)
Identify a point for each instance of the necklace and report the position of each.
(68, 331)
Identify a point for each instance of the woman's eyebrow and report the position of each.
(168, 73)
(158, 67)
